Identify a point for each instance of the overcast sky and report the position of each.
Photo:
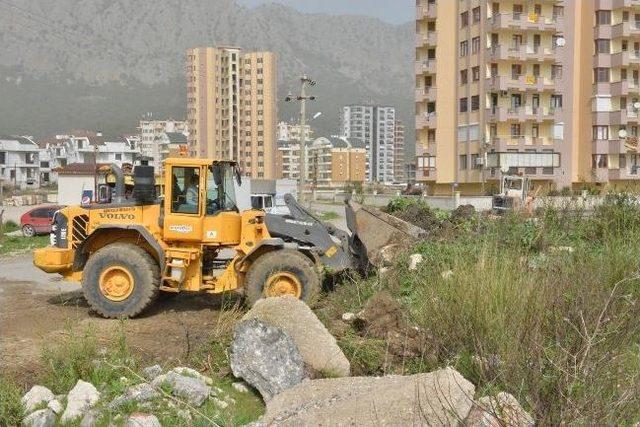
(394, 11)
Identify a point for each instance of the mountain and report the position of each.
(101, 64)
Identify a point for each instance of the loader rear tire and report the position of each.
(282, 272)
(120, 280)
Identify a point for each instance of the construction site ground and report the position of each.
(36, 309)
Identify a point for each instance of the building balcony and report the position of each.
(615, 4)
(522, 83)
(525, 21)
(523, 114)
(426, 120)
(616, 117)
(522, 53)
(426, 94)
(429, 39)
(623, 29)
(522, 142)
(426, 10)
(608, 146)
(427, 66)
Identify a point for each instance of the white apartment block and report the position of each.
(374, 127)
(154, 131)
(291, 132)
(67, 149)
(19, 162)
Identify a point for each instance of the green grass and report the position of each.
(19, 244)
(327, 216)
(560, 328)
(11, 411)
(111, 365)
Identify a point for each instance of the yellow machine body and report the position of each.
(178, 238)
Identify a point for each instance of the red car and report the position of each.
(38, 220)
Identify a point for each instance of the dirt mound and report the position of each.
(382, 318)
(462, 213)
(419, 215)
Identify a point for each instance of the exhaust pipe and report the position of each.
(118, 196)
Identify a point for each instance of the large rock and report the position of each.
(138, 393)
(40, 418)
(82, 397)
(499, 411)
(317, 346)
(266, 357)
(38, 395)
(442, 398)
(194, 390)
(138, 419)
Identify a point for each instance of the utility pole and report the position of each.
(304, 81)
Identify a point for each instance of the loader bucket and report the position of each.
(376, 232)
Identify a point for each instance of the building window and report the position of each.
(464, 19)
(603, 17)
(464, 102)
(599, 161)
(476, 73)
(601, 132)
(30, 158)
(603, 46)
(464, 48)
(3, 157)
(476, 14)
(556, 71)
(515, 130)
(475, 103)
(463, 77)
(555, 101)
(463, 162)
(475, 45)
(601, 75)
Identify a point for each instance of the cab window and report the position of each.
(256, 202)
(185, 190)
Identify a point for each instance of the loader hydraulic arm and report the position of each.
(309, 233)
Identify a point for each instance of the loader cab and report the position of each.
(200, 203)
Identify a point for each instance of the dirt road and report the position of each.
(37, 310)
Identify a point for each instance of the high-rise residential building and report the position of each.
(152, 131)
(374, 128)
(288, 159)
(291, 132)
(399, 167)
(542, 88)
(231, 107)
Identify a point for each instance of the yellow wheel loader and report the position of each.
(194, 239)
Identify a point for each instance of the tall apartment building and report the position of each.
(518, 85)
(231, 107)
(399, 167)
(374, 128)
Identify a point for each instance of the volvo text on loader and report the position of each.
(194, 238)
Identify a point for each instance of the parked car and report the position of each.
(38, 220)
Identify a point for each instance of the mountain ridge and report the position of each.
(105, 51)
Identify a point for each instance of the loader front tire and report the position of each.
(282, 272)
(120, 280)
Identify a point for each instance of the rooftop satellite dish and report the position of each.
(636, 105)
(504, 168)
(560, 41)
(622, 133)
